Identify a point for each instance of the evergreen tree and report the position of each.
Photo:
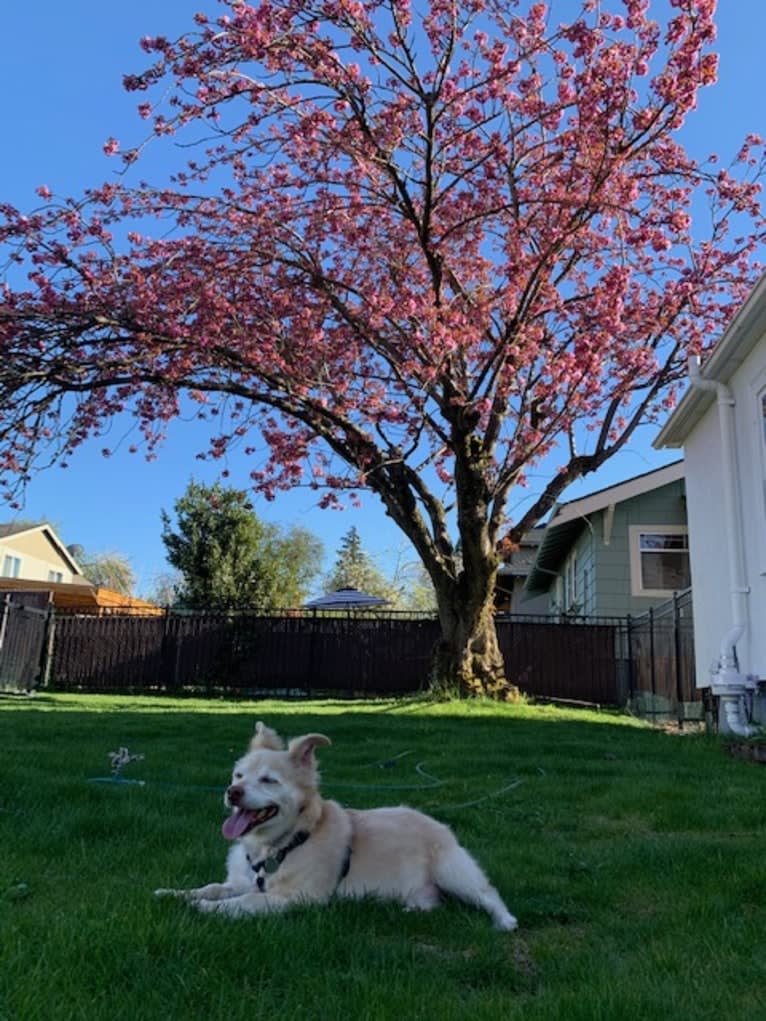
(229, 559)
(354, 568)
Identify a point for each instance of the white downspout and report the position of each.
(728, 682)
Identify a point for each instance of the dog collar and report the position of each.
(268, 866)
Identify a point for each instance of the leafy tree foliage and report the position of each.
(164, 588)
(229, 559)
(109, 570)
(415, 588)
(420, 249)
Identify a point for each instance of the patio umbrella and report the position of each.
(345, 599)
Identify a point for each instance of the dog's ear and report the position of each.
(301, 749)
(265, 737)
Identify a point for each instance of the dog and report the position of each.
(290, 846)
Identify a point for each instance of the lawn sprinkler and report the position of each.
(118, 761)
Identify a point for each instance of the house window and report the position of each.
(659, 560)
(567, 587)
(55, 576)
(570, 584)
(11, 566)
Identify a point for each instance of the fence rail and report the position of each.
(645, 662)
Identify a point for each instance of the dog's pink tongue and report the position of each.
(236, 824)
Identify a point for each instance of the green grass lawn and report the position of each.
(634, 859)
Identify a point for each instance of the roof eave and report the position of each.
(557, 542)
(619, 493)
(738, 340)
(693, 405)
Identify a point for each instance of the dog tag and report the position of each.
(270, 866)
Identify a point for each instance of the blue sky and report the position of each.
(60, 75)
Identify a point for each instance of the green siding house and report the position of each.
(618, 551)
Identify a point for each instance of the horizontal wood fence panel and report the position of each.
(571, 661)
(609, 661)
(243, 654)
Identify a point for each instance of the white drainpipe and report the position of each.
(728, 682)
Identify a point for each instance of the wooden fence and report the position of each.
(646, 662)
(244, 654)
(309, 655)
(565, 660)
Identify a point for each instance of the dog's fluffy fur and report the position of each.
(394, 853)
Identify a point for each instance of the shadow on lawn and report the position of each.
(411, 745)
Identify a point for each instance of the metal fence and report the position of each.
(660, 656)
(244, 653)
(25, 619)
(646, 663)
(566, 659)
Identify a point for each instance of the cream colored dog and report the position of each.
(291, 846)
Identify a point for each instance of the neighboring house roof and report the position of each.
(82, 596)
(569, 519)
(742, 334)
(9, 530)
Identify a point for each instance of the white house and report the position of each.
(721, 425)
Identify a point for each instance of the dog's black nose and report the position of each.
(235, 793)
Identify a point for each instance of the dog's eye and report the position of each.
(237, 776)
(267, 779)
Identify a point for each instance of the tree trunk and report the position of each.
(467, 659)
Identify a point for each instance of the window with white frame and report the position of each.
(11, 566)
(659, 559)
(567, 587)
(55, 576)
(570, 583)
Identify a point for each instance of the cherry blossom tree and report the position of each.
(408, 248)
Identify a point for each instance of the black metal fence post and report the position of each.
(677, 660)
(46, 657)
(4, 620)
(652, 664)
(631, 664)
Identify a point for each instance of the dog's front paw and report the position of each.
(506, 923)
